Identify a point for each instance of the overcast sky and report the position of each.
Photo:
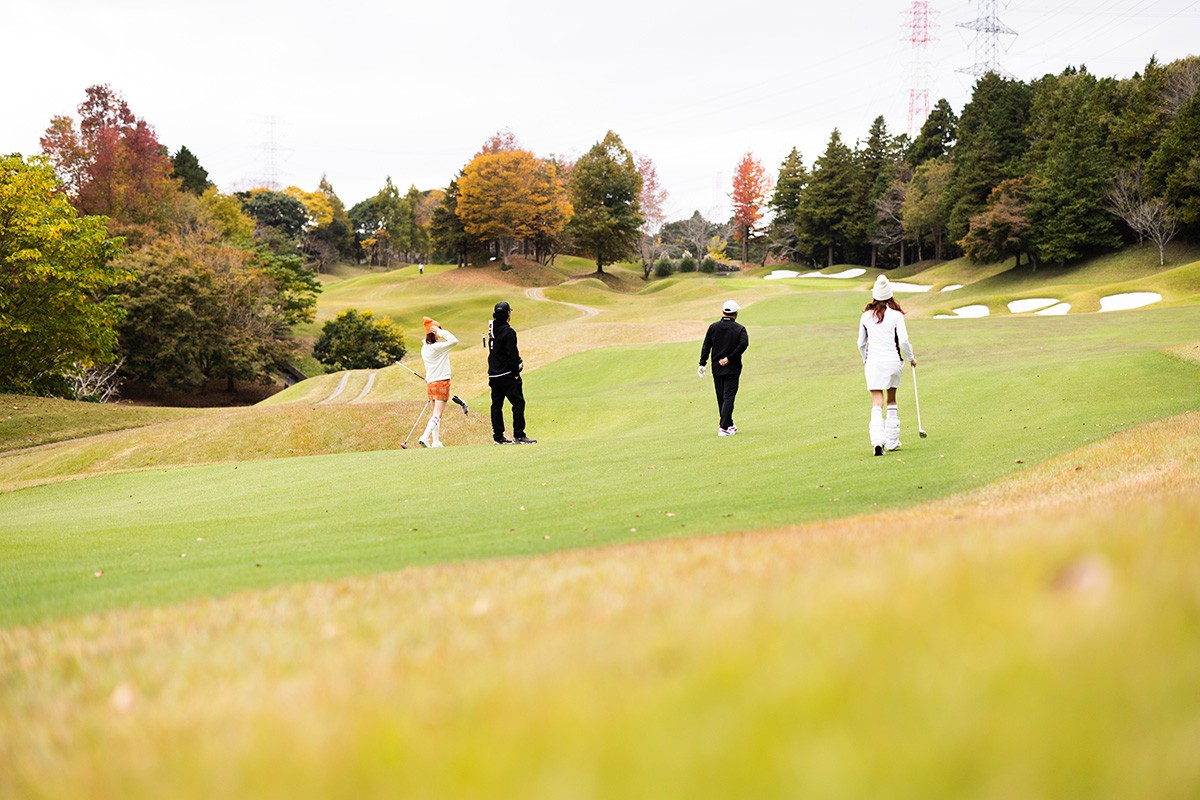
(360, 90)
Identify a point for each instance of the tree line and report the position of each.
(1049, 170)
(122, 262)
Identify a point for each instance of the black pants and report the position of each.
(726, 386)
(507, 389)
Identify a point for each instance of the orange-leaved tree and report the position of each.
(751, 185)
(510, 195)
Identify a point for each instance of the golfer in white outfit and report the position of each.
(884, 346)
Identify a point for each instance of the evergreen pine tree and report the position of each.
(193, 177)
(991, 142)
(1071, 159)
(936, 137)
(831, 205)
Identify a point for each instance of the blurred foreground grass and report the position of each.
(1039, 637)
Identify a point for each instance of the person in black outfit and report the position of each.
(726, 340)
(504, 376)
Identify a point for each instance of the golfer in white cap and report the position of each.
(884, 346)
(726, 340)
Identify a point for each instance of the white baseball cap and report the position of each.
(730, 307)
(882, 290)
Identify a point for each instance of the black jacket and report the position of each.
(725, 339)
(504, 360)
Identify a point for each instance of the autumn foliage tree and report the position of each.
(651, 201)
(112, 164)
(510, 195)
(56, 277)
(751, 187)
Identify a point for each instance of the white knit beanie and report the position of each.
(882, 290)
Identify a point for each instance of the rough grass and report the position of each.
(32, 421)
(1039, 637)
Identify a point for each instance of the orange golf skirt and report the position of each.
(438, 390)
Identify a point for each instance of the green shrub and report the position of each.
(687, 264)
(709, 265)
(356, 340)
(663, 268)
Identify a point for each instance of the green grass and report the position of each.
(626, 431)
(633, 607)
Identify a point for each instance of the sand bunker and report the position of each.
(848, 273)
(965, 312)
(952, 287)
(780, 274)
(901, 286)
(1055, 310)
(1124, 302)
(1031, 304)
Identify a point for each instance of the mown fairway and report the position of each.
(1036, 637)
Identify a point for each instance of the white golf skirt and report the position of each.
(883, 375)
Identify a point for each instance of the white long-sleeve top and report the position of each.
(437, 356)
(884, 342)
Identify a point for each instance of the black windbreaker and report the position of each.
(725, 339)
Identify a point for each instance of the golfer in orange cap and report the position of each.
(435, 352)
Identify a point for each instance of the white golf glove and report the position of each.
(700, 371)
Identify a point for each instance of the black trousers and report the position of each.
(507, 388)
(726, 386)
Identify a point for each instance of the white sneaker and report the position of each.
(424, 442)
(895, 446)
(732, 429)
(725, 432)
(438, 444)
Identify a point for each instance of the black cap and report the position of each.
(501, 310)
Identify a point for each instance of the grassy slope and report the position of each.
(32, 421)
(628, 438)
(1038, 638)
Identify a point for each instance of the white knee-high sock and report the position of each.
(891, 428)
(431, 428)
(437, 431)
(876, 426)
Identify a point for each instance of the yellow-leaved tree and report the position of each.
(511, 196)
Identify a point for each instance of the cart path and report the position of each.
(366, 389)
(537, 293)
(341, 387)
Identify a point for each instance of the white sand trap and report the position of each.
(965, 312)
(780, 274)
(900, 286)
(952, 288)
(1031, 304)
(846, 273)
(1054, 311)
(1124, 302)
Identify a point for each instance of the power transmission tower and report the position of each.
(988, 30)
(271, 149)
(920, 24)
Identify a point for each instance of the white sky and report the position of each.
(361, 89)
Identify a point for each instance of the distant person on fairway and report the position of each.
(504, 376)
(435, 352)
(884, 346)
(726, 340)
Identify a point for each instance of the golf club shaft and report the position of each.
(410, 369)
(418, 421)
(916, 400)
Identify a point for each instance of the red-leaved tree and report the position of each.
(652, 198)
(751, 186)
(112, 164)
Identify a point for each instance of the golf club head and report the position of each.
(924, 435)
(404, 445)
